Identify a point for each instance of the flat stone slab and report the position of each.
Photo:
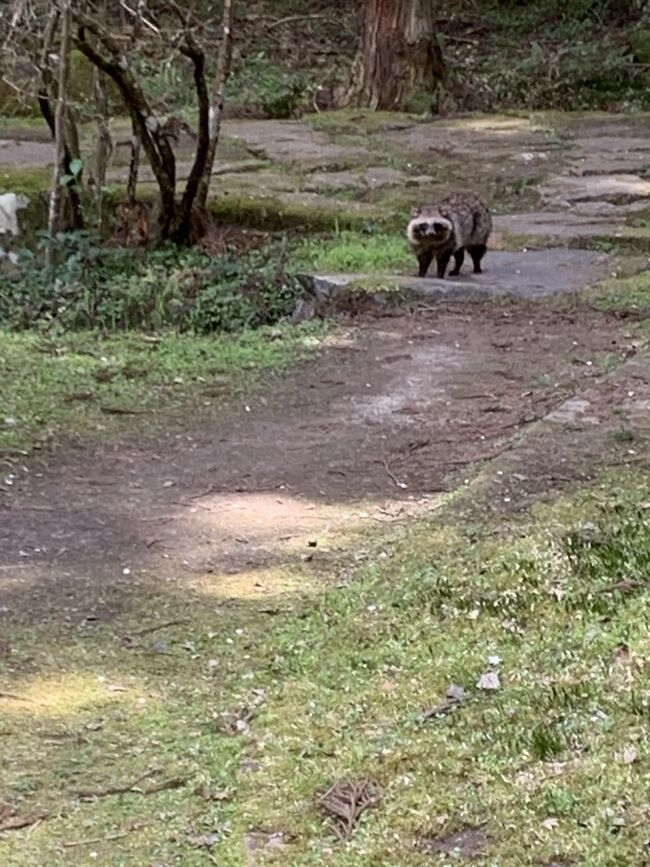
(26, 154)
(564, 224)
(609, 188)
(374, 177)
(605, 154)
(293, 143)
(526, 275)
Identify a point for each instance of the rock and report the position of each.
(527, 275)
(615, 188)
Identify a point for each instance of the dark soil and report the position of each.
(381, 424)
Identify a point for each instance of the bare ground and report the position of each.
(381, 426)
(386, 423)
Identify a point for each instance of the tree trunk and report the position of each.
(399, 55)
(216, 106)
(56, 199)
(103, 145)
(46, 98)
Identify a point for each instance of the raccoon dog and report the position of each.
(458, 223)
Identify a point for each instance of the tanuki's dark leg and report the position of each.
(477, 254)
(443, 261)
(425, 260)
(459, 257)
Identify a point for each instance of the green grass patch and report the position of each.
(357, 252)
(352, 121)
(270, 212)
(622, 294)
(96, 386)
(255, 714)
(31, 182)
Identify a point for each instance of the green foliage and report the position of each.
(269, 212)
(168, 86)
(615, 548)
(546, 54)
(553, 763)
(82, 92)
(116, 289)
(357, 251)
(272, 91)
(628, 293)
(16, 104)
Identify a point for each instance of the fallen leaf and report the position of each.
(456, 692)
(204, 841)
(489, 681)
(209, 794)
(630, 756)
(551, 823)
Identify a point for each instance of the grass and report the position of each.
(554, 762)
(269, 212)
(354, 251)
(623, 294)
(90, 384)
(360, 121)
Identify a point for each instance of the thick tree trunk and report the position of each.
(398, 56)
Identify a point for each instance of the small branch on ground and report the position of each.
(121, 410)
(14, 822)
(134, 787)
(149, 629)
(291, 19)
(94, 840)
(346, 801)
(391, 474)
(15, 697)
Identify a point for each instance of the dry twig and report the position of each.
(346, 801)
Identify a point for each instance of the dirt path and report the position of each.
(387, 422)
(381, 425)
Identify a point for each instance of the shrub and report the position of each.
(266, 89)
(114, 289)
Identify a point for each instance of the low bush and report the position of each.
(116, 289)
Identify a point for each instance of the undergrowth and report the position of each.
(94, 286)
(574, 54)
(256, 708)
(366, 252)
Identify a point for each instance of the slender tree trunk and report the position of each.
(46, 98)
(224, 63)
(54, 214)
(99, 46)
(398, 55)
(103, 144)
(134, 169)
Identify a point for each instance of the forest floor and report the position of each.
(415, 561)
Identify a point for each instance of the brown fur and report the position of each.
(458, 223)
